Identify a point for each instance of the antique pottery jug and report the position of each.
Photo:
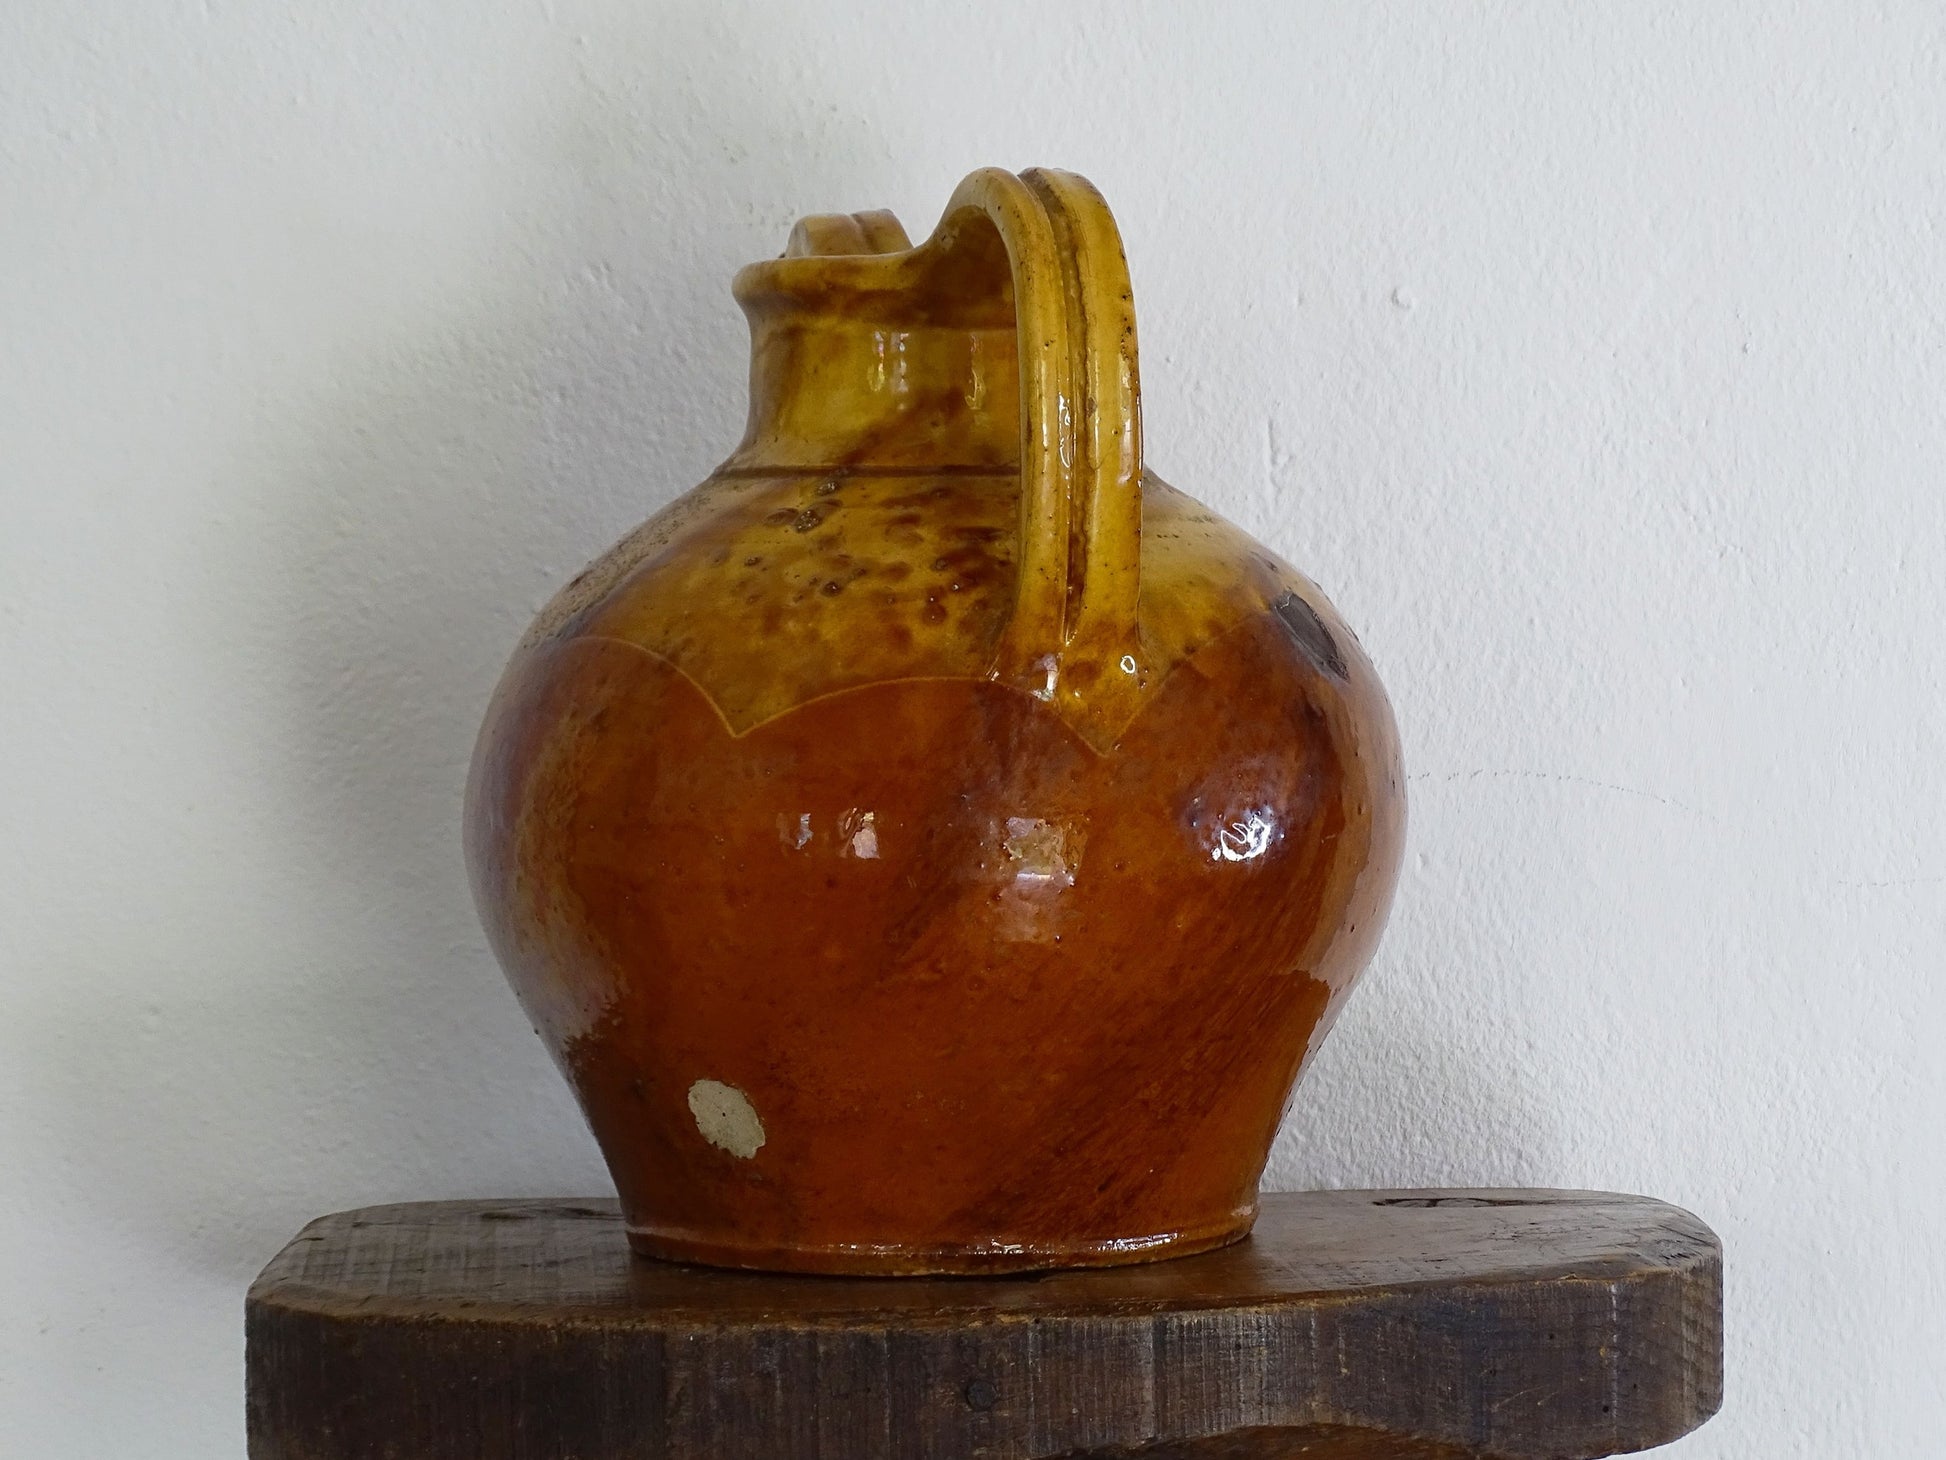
(935, 844)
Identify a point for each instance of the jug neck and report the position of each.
(840, 380)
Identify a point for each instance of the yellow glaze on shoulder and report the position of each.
(901, 507)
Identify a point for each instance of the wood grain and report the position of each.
(1350, 1326)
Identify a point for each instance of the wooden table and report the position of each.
(1353, 1325)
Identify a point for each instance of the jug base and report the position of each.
(992, 1257)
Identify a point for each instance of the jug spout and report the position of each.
(867, 353)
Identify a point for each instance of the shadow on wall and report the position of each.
(448, 481)
(1414, 1086)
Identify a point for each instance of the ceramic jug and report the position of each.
(935, 844)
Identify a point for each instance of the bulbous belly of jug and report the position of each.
(912, 977)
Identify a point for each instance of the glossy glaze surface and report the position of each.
(935, 843)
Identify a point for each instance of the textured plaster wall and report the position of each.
(1593, 357)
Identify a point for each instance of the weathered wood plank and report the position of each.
(1411, 1325)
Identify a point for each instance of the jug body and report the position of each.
(935, 844)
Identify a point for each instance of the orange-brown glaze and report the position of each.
(912, 868)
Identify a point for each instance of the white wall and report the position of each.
(1593, 357)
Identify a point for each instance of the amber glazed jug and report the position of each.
(935, 844)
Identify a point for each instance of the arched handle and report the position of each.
(1074, 619)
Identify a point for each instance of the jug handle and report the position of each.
(1073, 632)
